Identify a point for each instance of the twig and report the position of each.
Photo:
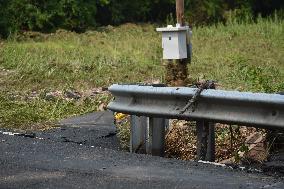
(194, 99)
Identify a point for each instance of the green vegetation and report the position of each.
(79, 15)
(245, 57)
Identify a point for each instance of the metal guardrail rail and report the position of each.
(241, 108)
(151, 106)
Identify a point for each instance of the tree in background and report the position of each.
(199, 12)
(4, 31)
(121, 11)
(78, 15)
(46, 15)
(267, 7)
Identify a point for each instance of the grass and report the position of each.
(26, 113)
(245, 57)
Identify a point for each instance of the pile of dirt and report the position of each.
(177, 73)
(181, 140)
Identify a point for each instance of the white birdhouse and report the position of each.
(175, 42)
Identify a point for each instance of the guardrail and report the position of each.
(218, 106)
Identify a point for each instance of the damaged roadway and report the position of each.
(83, 153)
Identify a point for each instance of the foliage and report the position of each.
(78, 15)
(204, 11)
(124, 11)
(46, 15)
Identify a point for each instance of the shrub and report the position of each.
(78, 15)
(46, 15)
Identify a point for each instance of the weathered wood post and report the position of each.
(180, 12)
(176, 70)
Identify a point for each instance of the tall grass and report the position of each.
(243, 56)
(84, 60)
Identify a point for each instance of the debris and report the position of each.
(257, 149)
(227, 161)
(193, 101)
(51, 96)
(120, 116)
(73, 95)
(102, 107)
(181, 140)
(212, 163)
(153, 81)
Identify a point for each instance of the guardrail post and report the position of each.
(156, 141)
(205, 140)
(202, 132)
(138, 134)
(210, 155)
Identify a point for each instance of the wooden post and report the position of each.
(180, 12)
(176, 71)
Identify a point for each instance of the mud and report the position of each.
(177, 73)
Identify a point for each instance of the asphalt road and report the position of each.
(69, 157)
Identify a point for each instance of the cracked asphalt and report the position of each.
(84, 153)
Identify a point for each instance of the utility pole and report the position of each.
(176, 70)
